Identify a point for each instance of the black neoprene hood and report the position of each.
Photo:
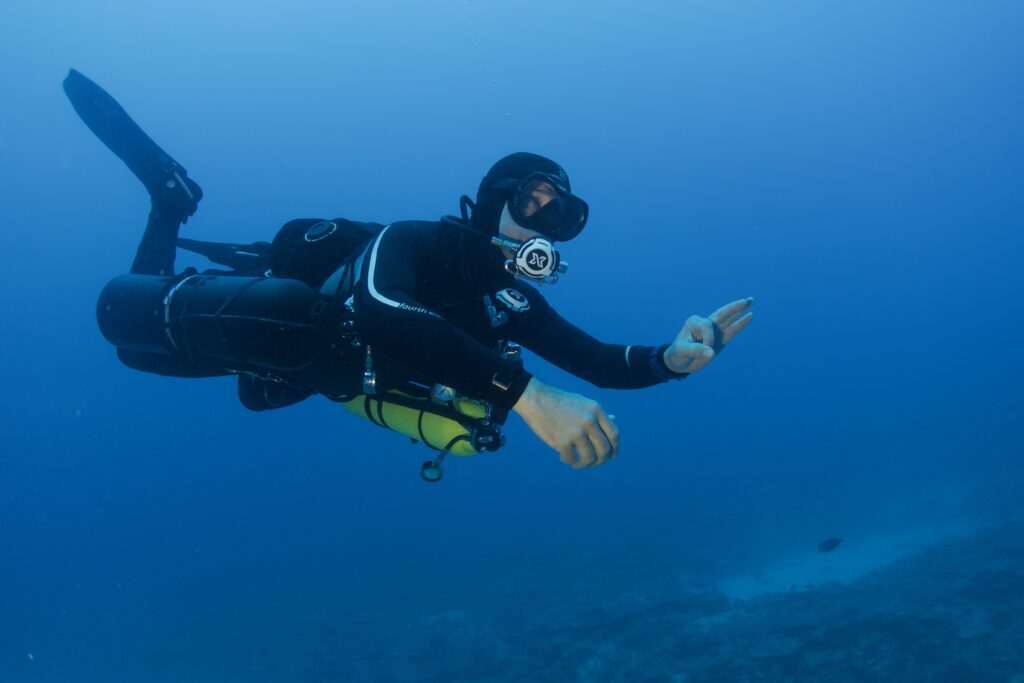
(517, 166)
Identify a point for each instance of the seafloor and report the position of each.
(952, 611)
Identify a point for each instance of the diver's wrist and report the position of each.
(528, 399)
(662, 366)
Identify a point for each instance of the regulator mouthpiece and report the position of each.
(535, 259)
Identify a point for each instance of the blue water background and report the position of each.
(856, 167)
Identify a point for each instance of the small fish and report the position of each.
(829, 544)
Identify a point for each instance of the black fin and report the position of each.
(169, 186)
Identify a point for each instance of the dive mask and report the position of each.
(543, 202)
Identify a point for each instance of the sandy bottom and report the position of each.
(854, 558)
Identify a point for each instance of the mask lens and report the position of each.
(542, 203)
(535, 194)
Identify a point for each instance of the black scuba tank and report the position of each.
(244, 322)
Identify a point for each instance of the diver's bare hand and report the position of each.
(701, 339)
(573, 425)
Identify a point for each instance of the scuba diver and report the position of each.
(415, 325)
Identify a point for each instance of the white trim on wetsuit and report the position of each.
(372, 288)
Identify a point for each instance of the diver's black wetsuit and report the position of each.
(432, 300)
(423, 297)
